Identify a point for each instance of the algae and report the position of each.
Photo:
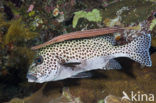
(32, 13)
(152, 0)
(94, 16)
(15, 39)
(35, 23)
(16, 100)
(15, 56)
(152, 25)
(18, 32)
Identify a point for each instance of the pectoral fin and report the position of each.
(71, 64)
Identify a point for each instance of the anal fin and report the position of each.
(112, 64)
(82, 75)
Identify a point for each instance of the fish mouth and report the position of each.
(31, 78)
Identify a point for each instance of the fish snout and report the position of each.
(31, 77)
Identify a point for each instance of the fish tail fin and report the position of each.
(138, 50)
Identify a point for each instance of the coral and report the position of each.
(60, 18)
(94, 16)
(35, 23)
(66, 94)
(56, 12)
(132, 15)
(31, 7)
(112, 22)
(116, 21)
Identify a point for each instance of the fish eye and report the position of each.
(39, 60)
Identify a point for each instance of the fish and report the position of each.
(66, 59)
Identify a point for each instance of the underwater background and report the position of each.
(26, 23)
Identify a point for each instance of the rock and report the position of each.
(114, 99)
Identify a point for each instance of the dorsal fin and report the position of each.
(79, 34)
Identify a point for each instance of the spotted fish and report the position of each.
(68, 58)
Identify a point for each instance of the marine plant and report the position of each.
(35, 23)
(153, 24)
(17, 32)
(94, 16)
(14, 42)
